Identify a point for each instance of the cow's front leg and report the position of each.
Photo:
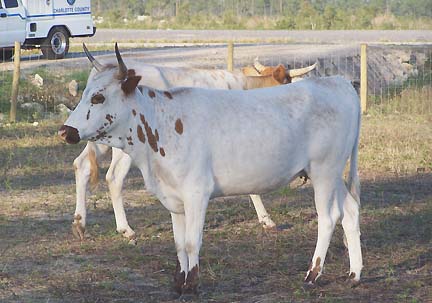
(178, 222)
(86, 168)
(263, 216)
(116, 174)
(195, 209)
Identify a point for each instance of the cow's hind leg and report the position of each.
(116, 174)
(329, 211)
(179, 229)
(263, 216)
(351, 226)
(85, 165)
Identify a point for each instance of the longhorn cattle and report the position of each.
(86, 164)
(194, 144)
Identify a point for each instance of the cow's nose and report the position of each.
(69, 134)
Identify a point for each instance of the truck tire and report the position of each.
(6, 54)
(56, 45)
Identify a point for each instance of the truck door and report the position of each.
(12, 22)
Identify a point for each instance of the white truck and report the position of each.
(44, 24)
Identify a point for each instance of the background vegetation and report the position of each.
(265, 14)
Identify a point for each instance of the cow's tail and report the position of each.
(94, 169)
(353, 178)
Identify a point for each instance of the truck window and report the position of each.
(11, 3)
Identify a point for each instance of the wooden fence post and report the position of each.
(230, 59)
(363, 77)
(15, 82)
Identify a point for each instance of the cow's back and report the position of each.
(265, 132)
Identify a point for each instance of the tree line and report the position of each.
(266, 14)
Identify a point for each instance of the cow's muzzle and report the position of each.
(69, 134)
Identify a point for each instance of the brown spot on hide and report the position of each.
(157, 135)
(179, 278)
(88, 114)
(97, 99)
(100, 135)
(150, 136)
(134, 112)
(192, 281)
(312, 275)
(109, 118)
(151, 94)
(168, 95)
(140, 133)
(162, 151)
(179, 126)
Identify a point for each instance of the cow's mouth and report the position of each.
(69, 134)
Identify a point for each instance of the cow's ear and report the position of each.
(279, 74)
(128, 86)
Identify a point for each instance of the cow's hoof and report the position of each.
(129, 234)
(77, 229)
(313, 273)
(268, 224)
(191, 284)
(352, 281)
(179, 279)
(132, 239)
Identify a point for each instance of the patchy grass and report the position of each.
(40, 261)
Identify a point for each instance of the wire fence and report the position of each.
(399, 76)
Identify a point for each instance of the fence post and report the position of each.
(363, 77)
(230, 59)
(15, 82)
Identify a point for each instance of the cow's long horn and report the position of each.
(300, 71)
(122, 66)
(92, 59)
(258, 66)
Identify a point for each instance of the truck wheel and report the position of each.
(6, 54)
(56, 45)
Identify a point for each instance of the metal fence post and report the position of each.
(363, 77)
(230, 59)
(15, 82)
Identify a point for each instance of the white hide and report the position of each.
(237, 142)
(160, 78)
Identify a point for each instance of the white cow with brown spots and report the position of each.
(86, 164)
(194, 144)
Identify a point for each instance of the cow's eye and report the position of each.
(97, 99)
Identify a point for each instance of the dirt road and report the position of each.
(340, 36)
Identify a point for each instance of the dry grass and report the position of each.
(40, 261)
